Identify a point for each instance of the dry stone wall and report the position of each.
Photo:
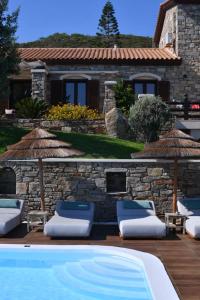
(86, 180)
(82, 126)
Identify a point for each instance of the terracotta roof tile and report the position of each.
(98, 54)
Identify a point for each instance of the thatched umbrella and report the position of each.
(39, 144)
(174, 145)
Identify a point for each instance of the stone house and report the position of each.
(171, 69)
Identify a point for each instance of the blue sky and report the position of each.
(39, 18)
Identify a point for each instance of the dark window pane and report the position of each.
(138, 88)
(70, 92)
(7, 181)
(116, 182)
(81, 95)
(20, 90)
(151, 88)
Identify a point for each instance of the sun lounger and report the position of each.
(71, 219)
(10, 214)
(190, 207)
(138, 219)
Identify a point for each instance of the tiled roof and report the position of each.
(161, 17)
(98, 55)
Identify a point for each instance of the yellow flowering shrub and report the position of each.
(72, 112)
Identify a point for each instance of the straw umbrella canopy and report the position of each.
(174, 145)
(39, 144)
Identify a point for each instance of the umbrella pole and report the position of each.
(175, 186)
(41, 178)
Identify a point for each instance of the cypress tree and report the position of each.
(108, 29)
(9, 57)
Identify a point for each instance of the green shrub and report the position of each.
(124, 96)
(148, 116)
(31, 108)
(72, 112)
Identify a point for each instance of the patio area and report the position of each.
(179, 253)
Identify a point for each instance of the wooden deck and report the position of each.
(179, 253)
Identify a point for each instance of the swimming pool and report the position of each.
(81, 273)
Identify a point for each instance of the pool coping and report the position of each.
(161, 290)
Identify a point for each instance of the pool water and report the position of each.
(71, 274)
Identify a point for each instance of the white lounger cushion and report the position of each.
(70, 223)
(10, 218)
(8, 222)
(192, 224)
(63, 226)
(139, 222)
(149, 226)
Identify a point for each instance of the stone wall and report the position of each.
(86, 179)
(183, 22)
(179, 85)
(175, 74)
(82, 126)
(39, 84)
(117, 72)
(169, 27)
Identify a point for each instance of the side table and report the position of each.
(36, 218)
(175, 221)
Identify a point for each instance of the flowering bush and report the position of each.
(72, 112)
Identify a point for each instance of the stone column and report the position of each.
(115, 121)
(39, 84)
(109, 101)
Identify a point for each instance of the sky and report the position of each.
(40, 18)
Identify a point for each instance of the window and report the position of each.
(116, 182)
(20, 89)
(145, 87)
(76, 92)
(7, 181)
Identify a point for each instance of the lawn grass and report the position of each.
(9, 136)
(94, 146)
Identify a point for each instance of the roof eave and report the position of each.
(165, 62)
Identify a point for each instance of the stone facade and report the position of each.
(182, 22)
(39, 84)
(104, 73)
(180, 33)
(86, 179)
(179, 85)
(109, 100)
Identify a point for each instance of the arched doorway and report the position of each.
(7, 181)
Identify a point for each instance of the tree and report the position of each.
(9, 56)
(124, 96)
(108, 28)
(148, 116)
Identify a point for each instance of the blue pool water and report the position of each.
(38, 274)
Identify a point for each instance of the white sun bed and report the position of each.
(71, 219)
(138, 219)
(190, 207)
(10, 214)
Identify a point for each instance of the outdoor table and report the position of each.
(36, 218)
(175, 221)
